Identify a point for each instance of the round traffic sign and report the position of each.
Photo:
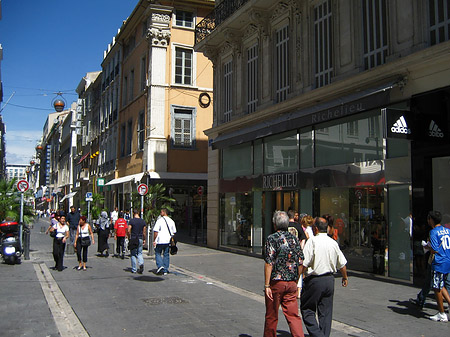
(142, 189)
(200, 190)
(22, 185)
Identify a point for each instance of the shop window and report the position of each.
(282, 64)
(237, 161)
(338, 147)
(258, 157)
(375, 32)
(323, 52)
(236, 220)
(306, 148)
(439, 13)
(281, 153)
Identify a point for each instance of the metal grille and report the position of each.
(439, 21)
(282, 63)
(323, 43)
(375, 33)
(164, 300)
(252, 78)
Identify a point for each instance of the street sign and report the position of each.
(358, 194)
(101, 182)
(142, 189)
(88, 195)
(89, 199)
(200, 190)
(22, 185)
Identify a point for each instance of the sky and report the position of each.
(48, 46)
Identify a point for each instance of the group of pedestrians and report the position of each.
(75, 230)
(291, 255)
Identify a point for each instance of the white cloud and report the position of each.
(21, 145)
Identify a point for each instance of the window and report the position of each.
(129, 137)
(125, 91)
(183, 131)
(282, 63)
(184, 19)
(122, 140)
(141, 131)
(352, 129)
(323, 43)
(252, 78)
(228, 90)
(183, 66)
(131, 91)
(281, 153)
(237, 161)
(143, 74)
(439, 21)
(375, 33)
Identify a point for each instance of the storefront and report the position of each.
(352, 161)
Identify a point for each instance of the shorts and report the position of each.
(438, 280)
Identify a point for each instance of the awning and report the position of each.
(83, 158)
(132, 177)
(178, 176)
(67, 196)
(344, 106)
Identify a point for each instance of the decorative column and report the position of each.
(158, 37)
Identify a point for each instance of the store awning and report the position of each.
(177, 176)
(67, 196)
(83, 158)
(121, 180)
(363, 100)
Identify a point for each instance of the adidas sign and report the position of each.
(434, 130)
(400, 126)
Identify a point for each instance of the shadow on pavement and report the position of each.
(406, 308)
(146, 278)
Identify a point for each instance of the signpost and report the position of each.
(22, 186)
(89, 199)
(142, 190)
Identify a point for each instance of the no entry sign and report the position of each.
(142, 189)
(22, 185)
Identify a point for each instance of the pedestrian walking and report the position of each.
(283, 257)
(323, 258)
(162, 233)
(83, 239)
(440, 247)
(59, 242)
(103, 234)
(120, 231)
(137, 229)
(114, 216)
(73, 218)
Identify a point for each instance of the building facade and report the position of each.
(17, 171)
(330, 107)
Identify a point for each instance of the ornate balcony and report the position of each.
(223, 11)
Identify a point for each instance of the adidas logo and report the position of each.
(434, 130)
(400, 126)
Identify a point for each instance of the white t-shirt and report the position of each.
(61, 230)
(161, 228)
(114, 216)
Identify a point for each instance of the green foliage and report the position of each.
(154, 200)
(10, 202)
(97, 204)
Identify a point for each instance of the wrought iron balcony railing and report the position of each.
(222, 12)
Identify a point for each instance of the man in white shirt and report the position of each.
(164, 229)
(323, 258)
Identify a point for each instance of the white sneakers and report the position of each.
(439, 317)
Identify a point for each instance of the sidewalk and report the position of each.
(207, 293)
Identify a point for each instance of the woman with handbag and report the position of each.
(83, 239)
(60, 234)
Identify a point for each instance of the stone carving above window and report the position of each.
(158, 37)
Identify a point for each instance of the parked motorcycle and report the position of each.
(10, 242)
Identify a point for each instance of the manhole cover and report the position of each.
(164, 300)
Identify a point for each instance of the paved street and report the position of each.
(207, 293)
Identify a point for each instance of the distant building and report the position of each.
(16, 171)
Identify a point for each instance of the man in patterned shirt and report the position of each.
(283, 257)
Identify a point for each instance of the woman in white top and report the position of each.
(84, 230)
(59, 241)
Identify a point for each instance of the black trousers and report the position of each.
(317, 295)
(58, 253)
(81, 251)
(120, 245)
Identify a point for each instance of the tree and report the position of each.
(10, 202)
(154, 200)
(97, 204)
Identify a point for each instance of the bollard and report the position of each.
(26, 244)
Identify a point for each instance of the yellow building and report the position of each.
(156, 103)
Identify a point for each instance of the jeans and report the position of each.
(73, 233)
(165, 260)
(137, 254)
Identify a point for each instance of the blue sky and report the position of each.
(48, 46)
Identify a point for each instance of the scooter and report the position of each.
(10, 242)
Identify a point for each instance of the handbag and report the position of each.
(53, 234)
(133, 243)
(85, 241)
(173, 249)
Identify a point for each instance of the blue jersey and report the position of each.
(440, 242)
